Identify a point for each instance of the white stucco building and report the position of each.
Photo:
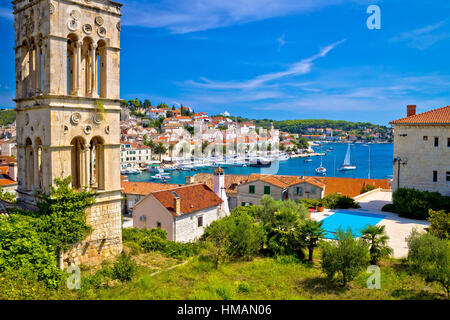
(184, 212)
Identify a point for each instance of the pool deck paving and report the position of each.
(397, 228)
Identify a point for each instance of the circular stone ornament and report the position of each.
(52, 8)
(87, 130)
(87, 28)
(97, 119)
(99, 20)
(75, 14)
(118, 26)
(101, 32)
(72, 25)
(75, 118)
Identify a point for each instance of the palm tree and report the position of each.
(376, 238)
(151, 144)
(311, 232)
(160, 149)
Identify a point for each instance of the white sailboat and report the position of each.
(321, 169)
(347, 164)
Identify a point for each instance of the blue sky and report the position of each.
(279, 59)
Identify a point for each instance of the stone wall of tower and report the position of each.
(50, 36)
(105, 242)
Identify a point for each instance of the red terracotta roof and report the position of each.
(144, 188)
(194, 197)
(436, 116)
(350, 187)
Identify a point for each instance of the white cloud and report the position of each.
(424, 37)
(281, 42)
(304, 66)
(197, 15)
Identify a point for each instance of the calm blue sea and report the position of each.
(380, 164)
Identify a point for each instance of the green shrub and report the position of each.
(153, 243)
(288, 259)
(285, 243)
(124, 269)
(136, 235)
(388, 207)
(339, 201)
(225, 293)
(415, 204)
(7, 196)
(240, 235)
(180, 250)
(249, 210)
(311, 203)
(14, 285)
(242, 286)
(377, 239)
(132, 247)
(22, 248)
(345, 255)
(62, 214)
(429, 256)
(439, 223)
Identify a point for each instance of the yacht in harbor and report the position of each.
(321, 169)
(347, 163)
(155, 168)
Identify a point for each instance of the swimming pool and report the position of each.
(349, 219)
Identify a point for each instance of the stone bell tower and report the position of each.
(67, 56)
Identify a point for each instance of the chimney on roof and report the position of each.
(189, 180)
(12, 170)
(177, 203)
(410, 110)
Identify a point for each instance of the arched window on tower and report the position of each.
(38, 176)
(29, 165)
(24, 69)
(97, 165)
(102, 72)
(31, 68)
(72, 64)
(78, 163)
(38, 65)
(89, 66)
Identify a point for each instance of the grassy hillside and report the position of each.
(7, 116)
(261, 278)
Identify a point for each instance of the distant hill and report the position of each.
(301, 126)
(7, 116)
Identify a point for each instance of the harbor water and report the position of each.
(372, 160)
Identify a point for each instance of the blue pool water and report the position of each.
(347, 219)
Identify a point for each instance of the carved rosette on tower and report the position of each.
(67, 56)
